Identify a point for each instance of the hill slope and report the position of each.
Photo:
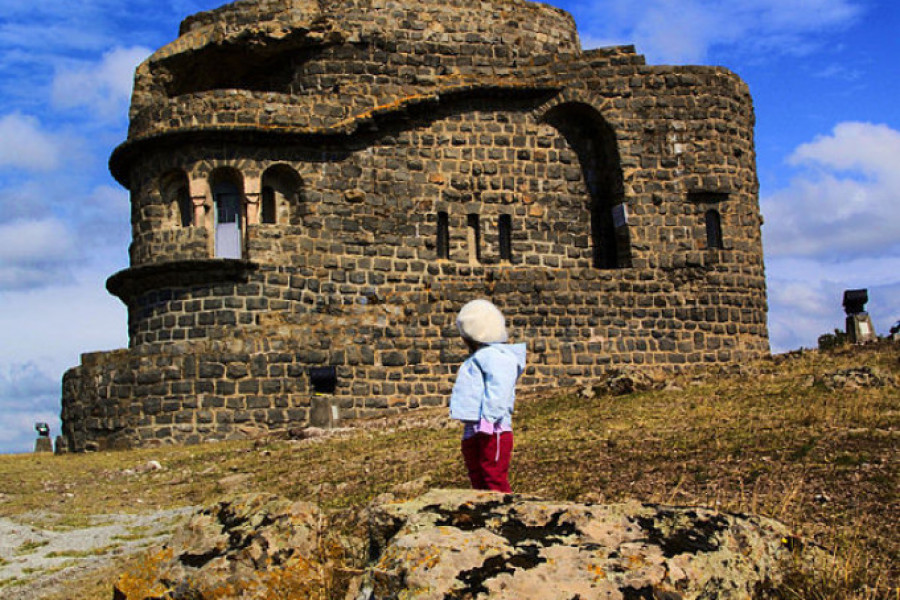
(808, 438)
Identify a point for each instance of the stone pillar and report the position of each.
(199, 190)
(252, 197)
(860, 329)
(324, 412)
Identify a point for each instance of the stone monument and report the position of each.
(43, 442)
(859, 323)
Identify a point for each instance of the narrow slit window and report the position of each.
(713, 229)
(268, 206)
(504, 230)
(443, 235)
(474, 238)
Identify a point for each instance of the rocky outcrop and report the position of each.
(465, 544)
(856, 378)
(462, 544)
(247, 547)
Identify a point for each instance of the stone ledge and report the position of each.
(129, 283)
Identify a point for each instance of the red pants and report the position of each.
(487, 470)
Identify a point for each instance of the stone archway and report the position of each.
(592, 138)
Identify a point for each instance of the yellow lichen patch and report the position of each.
(142, 580)
(636, 561)
(597, 571)
(300, 579)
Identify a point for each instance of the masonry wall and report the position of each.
(353, 132)
(401, 353)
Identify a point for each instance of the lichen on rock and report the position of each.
(462, 544)
(253, 546)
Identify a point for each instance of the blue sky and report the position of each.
(824, 75)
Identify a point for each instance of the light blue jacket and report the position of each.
(485, 385)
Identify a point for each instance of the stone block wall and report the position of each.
(398, 351)
(392, 161)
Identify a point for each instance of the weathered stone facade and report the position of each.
(324, 184)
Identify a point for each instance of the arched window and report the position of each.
(504, 231)
(713, 229)
(281, 189)
(267, 209)
(185, 207)
(228, 198)
(176, 195)
(474, 238)
(443, 235)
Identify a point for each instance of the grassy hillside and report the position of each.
(808, 438)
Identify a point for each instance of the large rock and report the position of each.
(247, 547)
(461, 544)
(467, 545)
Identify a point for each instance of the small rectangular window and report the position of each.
(443, 235)
(713, 229)
(707, 197)
(504, 227)
(323, 380)
(474, 238)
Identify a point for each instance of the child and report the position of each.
(484, 394)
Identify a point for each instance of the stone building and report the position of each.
(318, 186)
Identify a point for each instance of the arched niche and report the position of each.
(229, 211)
(280, 191)
(174, 189)
(594, 142)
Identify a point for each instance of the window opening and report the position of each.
(228, 208)
(708, 197)
(443, 235)
(713, 229)
(185, 207)
(595, 144)
(323, 379)
(504, 226)
(474, 238)
(280, 195)
(268, 215)
(228, 199)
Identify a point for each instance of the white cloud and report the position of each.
(35, 241)
(104, 219)
(36, 253)
(844, 201)
(22, 381)
(870, 148)
(103, 87)
(25, 145)
(835, 227)
(45, 331)
(805, 297)
(685, 31)
(17, 432)
(28, 394)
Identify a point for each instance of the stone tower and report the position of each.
(318, 186)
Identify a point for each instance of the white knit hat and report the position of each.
(482, 322)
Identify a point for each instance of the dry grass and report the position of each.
(771, 440)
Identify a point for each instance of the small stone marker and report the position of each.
(859, 323)
(43, 442)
